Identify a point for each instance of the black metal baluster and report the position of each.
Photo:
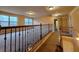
(48, 28)
(44, 30)
(19, 39)
(22, 39)
(11, 40)
(25, 39)
(5, 38)
(15, 39)
(36, 34)
(40, 31)
(33, 35)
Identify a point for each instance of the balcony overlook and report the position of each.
(39, 29)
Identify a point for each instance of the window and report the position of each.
(8, 20)
(13, 21)
(4, 20)
(28, 21)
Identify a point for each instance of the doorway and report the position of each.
(56, 25)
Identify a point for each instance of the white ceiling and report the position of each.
(39, 10)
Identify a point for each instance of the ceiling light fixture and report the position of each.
(30, 13)
(51, 8)
(58, 14)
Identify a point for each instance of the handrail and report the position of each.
(21, 26)
(22, 36)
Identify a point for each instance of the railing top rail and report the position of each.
(22, 26)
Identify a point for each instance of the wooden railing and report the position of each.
(22, 38)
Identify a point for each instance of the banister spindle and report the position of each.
(5, 38)
(19, 39)
(15, 39)
(40, 31)
(33, 35)
(11, 40)
(22, 39)
(25, 39)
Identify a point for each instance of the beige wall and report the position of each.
(42, 20)
(36, 22)
(74, 16)
(46, 20)
(21, 20)
(63, 21)
(20, 17)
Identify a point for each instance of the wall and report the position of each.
(46, 19)
(42, 20)
(21, 20)
(20, 17)
(63, 22)
(36, 21)
(74, 16)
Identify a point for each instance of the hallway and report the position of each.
(23, 27)
(50, 44)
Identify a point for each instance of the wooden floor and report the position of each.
(50, 44)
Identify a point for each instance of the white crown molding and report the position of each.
(73, 10)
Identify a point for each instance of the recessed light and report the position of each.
(30, 13)
(57, 14)
(50, 8)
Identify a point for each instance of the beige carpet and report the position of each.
(50, 44)
(67, 44)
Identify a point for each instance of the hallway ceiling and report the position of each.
(38, 10)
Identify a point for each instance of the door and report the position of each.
(56, 25)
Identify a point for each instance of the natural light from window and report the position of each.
(8, 20)
(28, 21)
